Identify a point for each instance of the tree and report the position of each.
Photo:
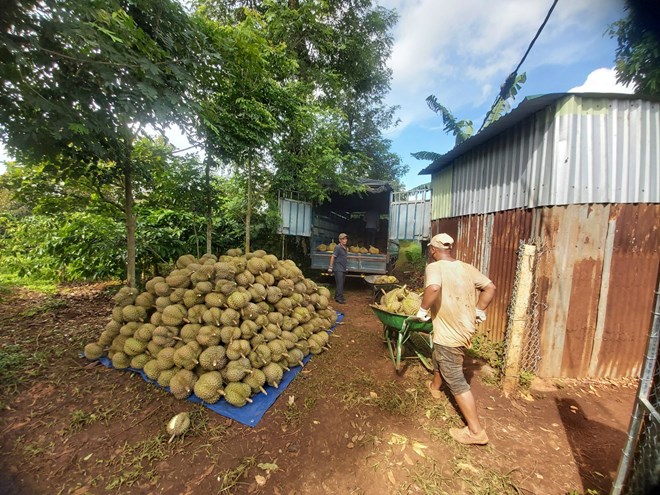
(340, 49)
(638, 52)
(463, 129)
(244, 102)
(84, 79)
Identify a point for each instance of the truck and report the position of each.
(400, 215)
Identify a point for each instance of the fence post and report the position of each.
(518, 317)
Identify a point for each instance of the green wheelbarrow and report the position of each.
(399, 329)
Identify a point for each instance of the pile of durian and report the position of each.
(351, 249)
(329, 248)
(401, 301)
(363, 250)
(218, 327)
(386, 279)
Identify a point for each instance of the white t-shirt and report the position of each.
(453, 313)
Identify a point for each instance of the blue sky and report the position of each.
(461, 51)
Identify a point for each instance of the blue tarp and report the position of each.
(251, 413)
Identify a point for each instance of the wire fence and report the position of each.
(531, 344)
(639, 467)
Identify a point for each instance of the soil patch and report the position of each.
(348, 423)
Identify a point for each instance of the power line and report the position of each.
(510, 81)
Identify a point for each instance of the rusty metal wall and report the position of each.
(596, 276)
(490, 243)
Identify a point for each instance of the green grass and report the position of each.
(13, 361)
(485, 349)
(10, 281)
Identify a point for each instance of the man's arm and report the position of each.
(430, 295)
(485, 296)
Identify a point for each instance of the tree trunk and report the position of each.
(248, 212)
(209, 205)
(130, 223)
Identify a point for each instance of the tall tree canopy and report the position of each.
(341, 49)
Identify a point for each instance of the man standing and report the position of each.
(371, 220)
(338, 267)
(449, 300)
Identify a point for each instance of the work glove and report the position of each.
(481, 315)
(329, 269)
(422, 315)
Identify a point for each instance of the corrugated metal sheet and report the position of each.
(579, 150)
(490, 243)
(441, 184)
(296, 217)
(597, 271)
(410, 215)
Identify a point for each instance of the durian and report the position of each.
(178, 425)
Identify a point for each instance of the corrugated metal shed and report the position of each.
(578, 175)
(579, 149)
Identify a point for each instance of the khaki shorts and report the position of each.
(449, 362)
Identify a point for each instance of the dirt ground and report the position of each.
(347, 424)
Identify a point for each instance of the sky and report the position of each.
(461, 51)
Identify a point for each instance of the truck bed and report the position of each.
(356, 263)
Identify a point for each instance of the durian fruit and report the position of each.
(374, 250)
(133, 347)
(178, 425)
(209, 387)
(273, 374)
(151, 369)
(229, 333)
(363, 250)
(353, 249)
(174, 314)
(125, 296)
(321, 247)
(186, 356)
(411, 303)
(235, 371)
(138, 362)
(238, 393)
(183, 383)
(256, 381)
(165, 376)
(120, 360)
(93, 351)
(165, 358)
(213, 358)
(331, 247)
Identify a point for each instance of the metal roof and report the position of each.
(527, 107)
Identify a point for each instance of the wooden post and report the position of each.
(518, 319)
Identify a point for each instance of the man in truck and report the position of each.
(337, 266)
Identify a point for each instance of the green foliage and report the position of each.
(12, 361)
(491, 352)
(525, 379)
(411, 257)
(638, 52)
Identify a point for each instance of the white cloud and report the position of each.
(462, 50)
(602, 80)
